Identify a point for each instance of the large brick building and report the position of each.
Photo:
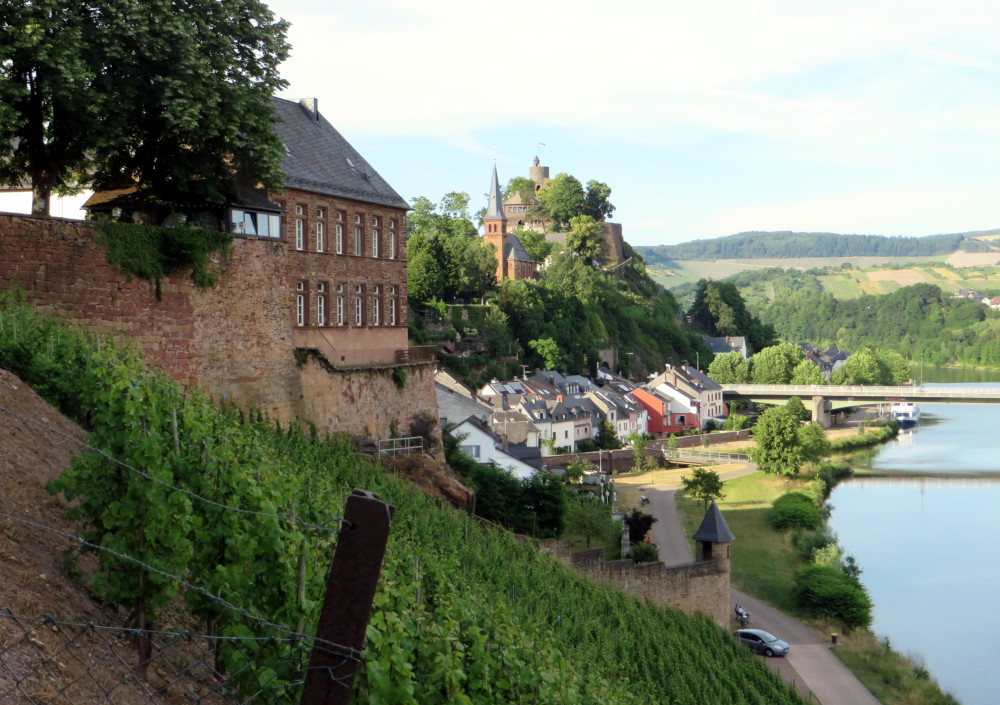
(346, 228)
(307, 319)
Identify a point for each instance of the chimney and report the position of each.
(311, 106)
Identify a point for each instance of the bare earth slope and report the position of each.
(36, 445)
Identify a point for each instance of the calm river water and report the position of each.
(930, 546)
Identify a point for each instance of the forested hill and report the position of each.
(758, 245)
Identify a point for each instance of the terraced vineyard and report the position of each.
(465, 613)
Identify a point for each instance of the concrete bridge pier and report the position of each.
(820, 414)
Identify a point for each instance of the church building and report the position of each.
(513, 261)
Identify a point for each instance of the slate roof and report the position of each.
(726, 344)
(714, 528)
(494, 211)
(514, 251)
(318, 158)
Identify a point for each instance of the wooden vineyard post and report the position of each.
(350, 590)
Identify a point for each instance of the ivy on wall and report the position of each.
(152, 252)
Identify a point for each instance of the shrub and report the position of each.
(808, 541)
(829, 474)
(794, 510)
(828, 592)
(643, 553)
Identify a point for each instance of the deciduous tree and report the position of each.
(730, 368)
(596, 203)
(175, 96)
(563, 198)
(704, 485)
(775, 364)
(776, 439)
(589, 518)
(584, 237)
(48, 107)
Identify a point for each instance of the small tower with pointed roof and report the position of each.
(713, 537)
(712, 541)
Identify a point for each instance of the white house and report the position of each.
(482, 445)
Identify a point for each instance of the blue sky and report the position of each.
(854, 117)
(875, 117)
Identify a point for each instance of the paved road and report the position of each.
(810, 665)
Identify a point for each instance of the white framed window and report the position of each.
(392, 245)
(340, 215)
(320, 213)
(340, 310)
(321, 304)
(300, 234)
(392, 223)
(471, 451)
(375, 306)
(392, 306)
(300, 303)
(358, 308)
(298, 210)
(358, 244)
(357, 220)
(375, 221)
(340, 239)
(375, 243)
(320, 237)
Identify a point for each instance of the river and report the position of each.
(928, 545)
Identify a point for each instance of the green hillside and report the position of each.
(787, 244)
(465, 612)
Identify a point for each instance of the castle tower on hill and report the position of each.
(538, 174)
(516, 210)
(513, 261)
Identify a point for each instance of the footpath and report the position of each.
(810, 666)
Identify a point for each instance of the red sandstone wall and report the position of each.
(234, 339)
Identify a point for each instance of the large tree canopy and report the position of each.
(173, 95)
(719, 310)
(48, 108)
(446, 258)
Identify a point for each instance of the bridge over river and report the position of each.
(826, 398)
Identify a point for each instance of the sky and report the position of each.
(705, 119)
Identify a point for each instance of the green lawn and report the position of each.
(763, 560)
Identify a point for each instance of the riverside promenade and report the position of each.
(811, 667)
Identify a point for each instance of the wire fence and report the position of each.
(46, 661)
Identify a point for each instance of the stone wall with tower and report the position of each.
(699, 586)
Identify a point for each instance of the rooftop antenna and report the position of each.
(524, 372)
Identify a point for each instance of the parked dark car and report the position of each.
(762, 642)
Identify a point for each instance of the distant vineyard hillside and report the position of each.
(756, 245)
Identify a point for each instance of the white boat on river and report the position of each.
(906, 413)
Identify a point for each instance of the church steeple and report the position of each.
(494, 211)
(495, 224)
